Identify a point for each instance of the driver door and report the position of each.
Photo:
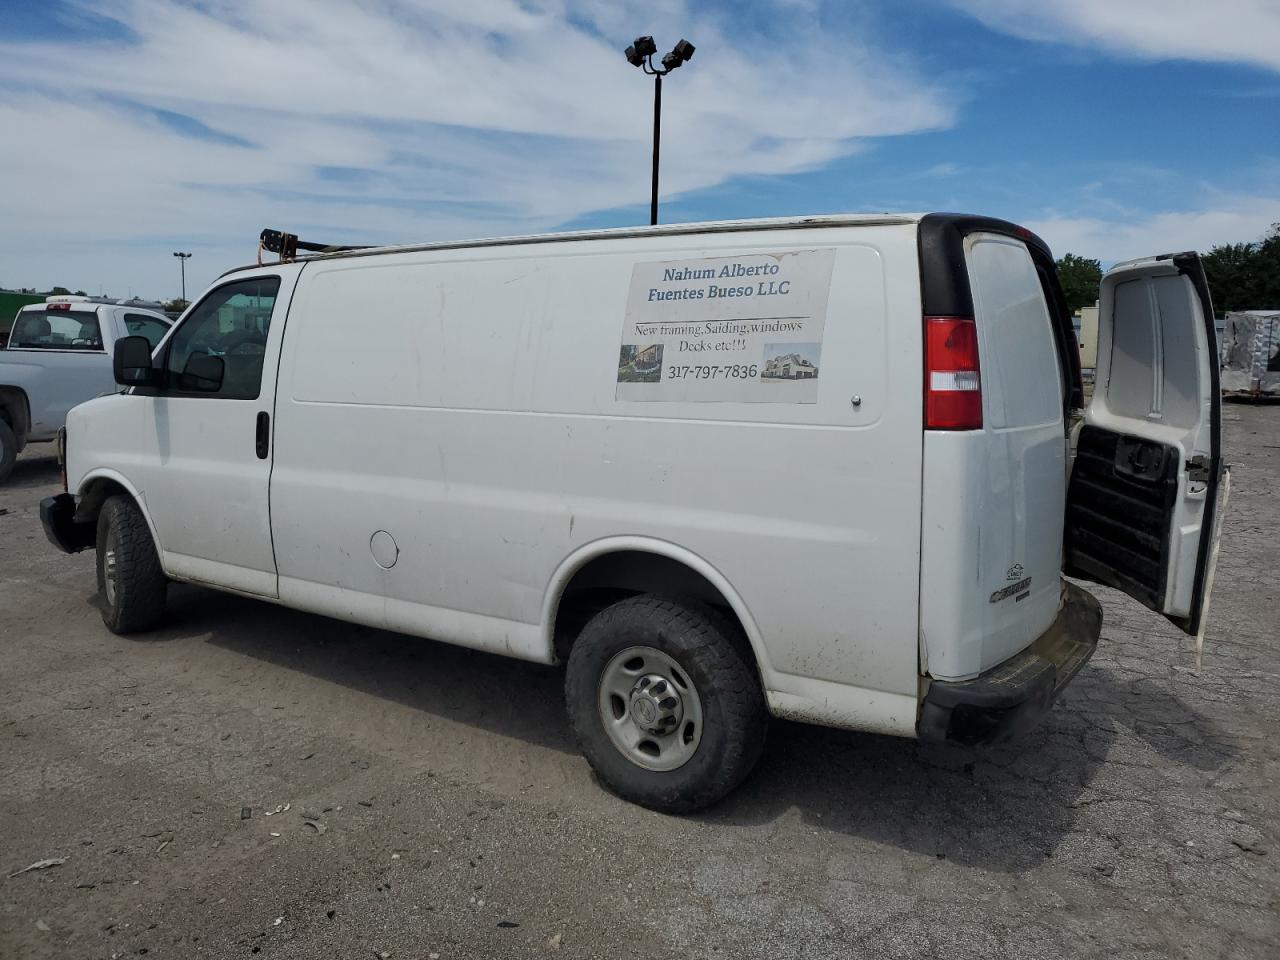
(209, 468)
(1143, 501)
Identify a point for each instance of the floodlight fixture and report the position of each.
(640, 54)
(182, 264)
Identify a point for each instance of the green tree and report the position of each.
(59, 292)
(1245, 276)
(1230, 269)
(1080, 278)
(1269, 270)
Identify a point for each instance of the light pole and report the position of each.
(640, 54)
(182, 260)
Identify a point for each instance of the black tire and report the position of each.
(734, 717)
(8, 450)
(136, 602)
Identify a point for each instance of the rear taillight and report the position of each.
(952, 385)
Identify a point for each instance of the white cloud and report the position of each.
(1229, 31)
(399, 120)
(1233, 219)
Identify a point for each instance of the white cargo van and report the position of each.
(817, 468)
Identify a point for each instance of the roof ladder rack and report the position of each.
(287, 245)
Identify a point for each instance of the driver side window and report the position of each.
(232, 323)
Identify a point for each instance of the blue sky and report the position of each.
(130, 128)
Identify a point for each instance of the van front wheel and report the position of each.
(665, 705)
(130, 581)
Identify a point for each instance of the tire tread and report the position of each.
(141, 586)
(695, 634)
(8, 450)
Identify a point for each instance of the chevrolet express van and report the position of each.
(831, 469)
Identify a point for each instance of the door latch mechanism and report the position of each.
(1198, 469)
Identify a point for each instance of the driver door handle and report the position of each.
(264, 435)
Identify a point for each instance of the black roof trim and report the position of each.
(944, 282)
(944, 278)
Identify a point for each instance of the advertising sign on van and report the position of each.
(745, 328)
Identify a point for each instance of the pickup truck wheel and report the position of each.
(8, 450)
(665, 705)
(130, 579)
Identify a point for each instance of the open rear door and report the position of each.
(1142, 503)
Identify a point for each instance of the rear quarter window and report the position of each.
(138, 325)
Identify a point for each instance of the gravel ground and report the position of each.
(454, 817)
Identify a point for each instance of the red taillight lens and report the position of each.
(952, 385)
(57, 306)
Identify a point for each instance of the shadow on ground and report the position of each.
(498, 694)
(29, 471)
(1003, 808)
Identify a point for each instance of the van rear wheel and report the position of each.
(131, 582)
(665, 705)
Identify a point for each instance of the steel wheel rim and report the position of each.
(637, 687)
(109, 574)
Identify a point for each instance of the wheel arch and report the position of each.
(15, 410)
(641, 560)
(94, 489)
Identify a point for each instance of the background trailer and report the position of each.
(1251, 354)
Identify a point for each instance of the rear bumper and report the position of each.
(1014, 696)
(58, 516)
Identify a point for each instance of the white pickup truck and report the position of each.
(58, 355)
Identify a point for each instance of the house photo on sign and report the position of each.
(740, 329)
(790, 361)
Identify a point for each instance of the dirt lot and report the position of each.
(1143, 819)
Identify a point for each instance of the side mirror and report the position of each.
(131, 362)
(203, 373)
